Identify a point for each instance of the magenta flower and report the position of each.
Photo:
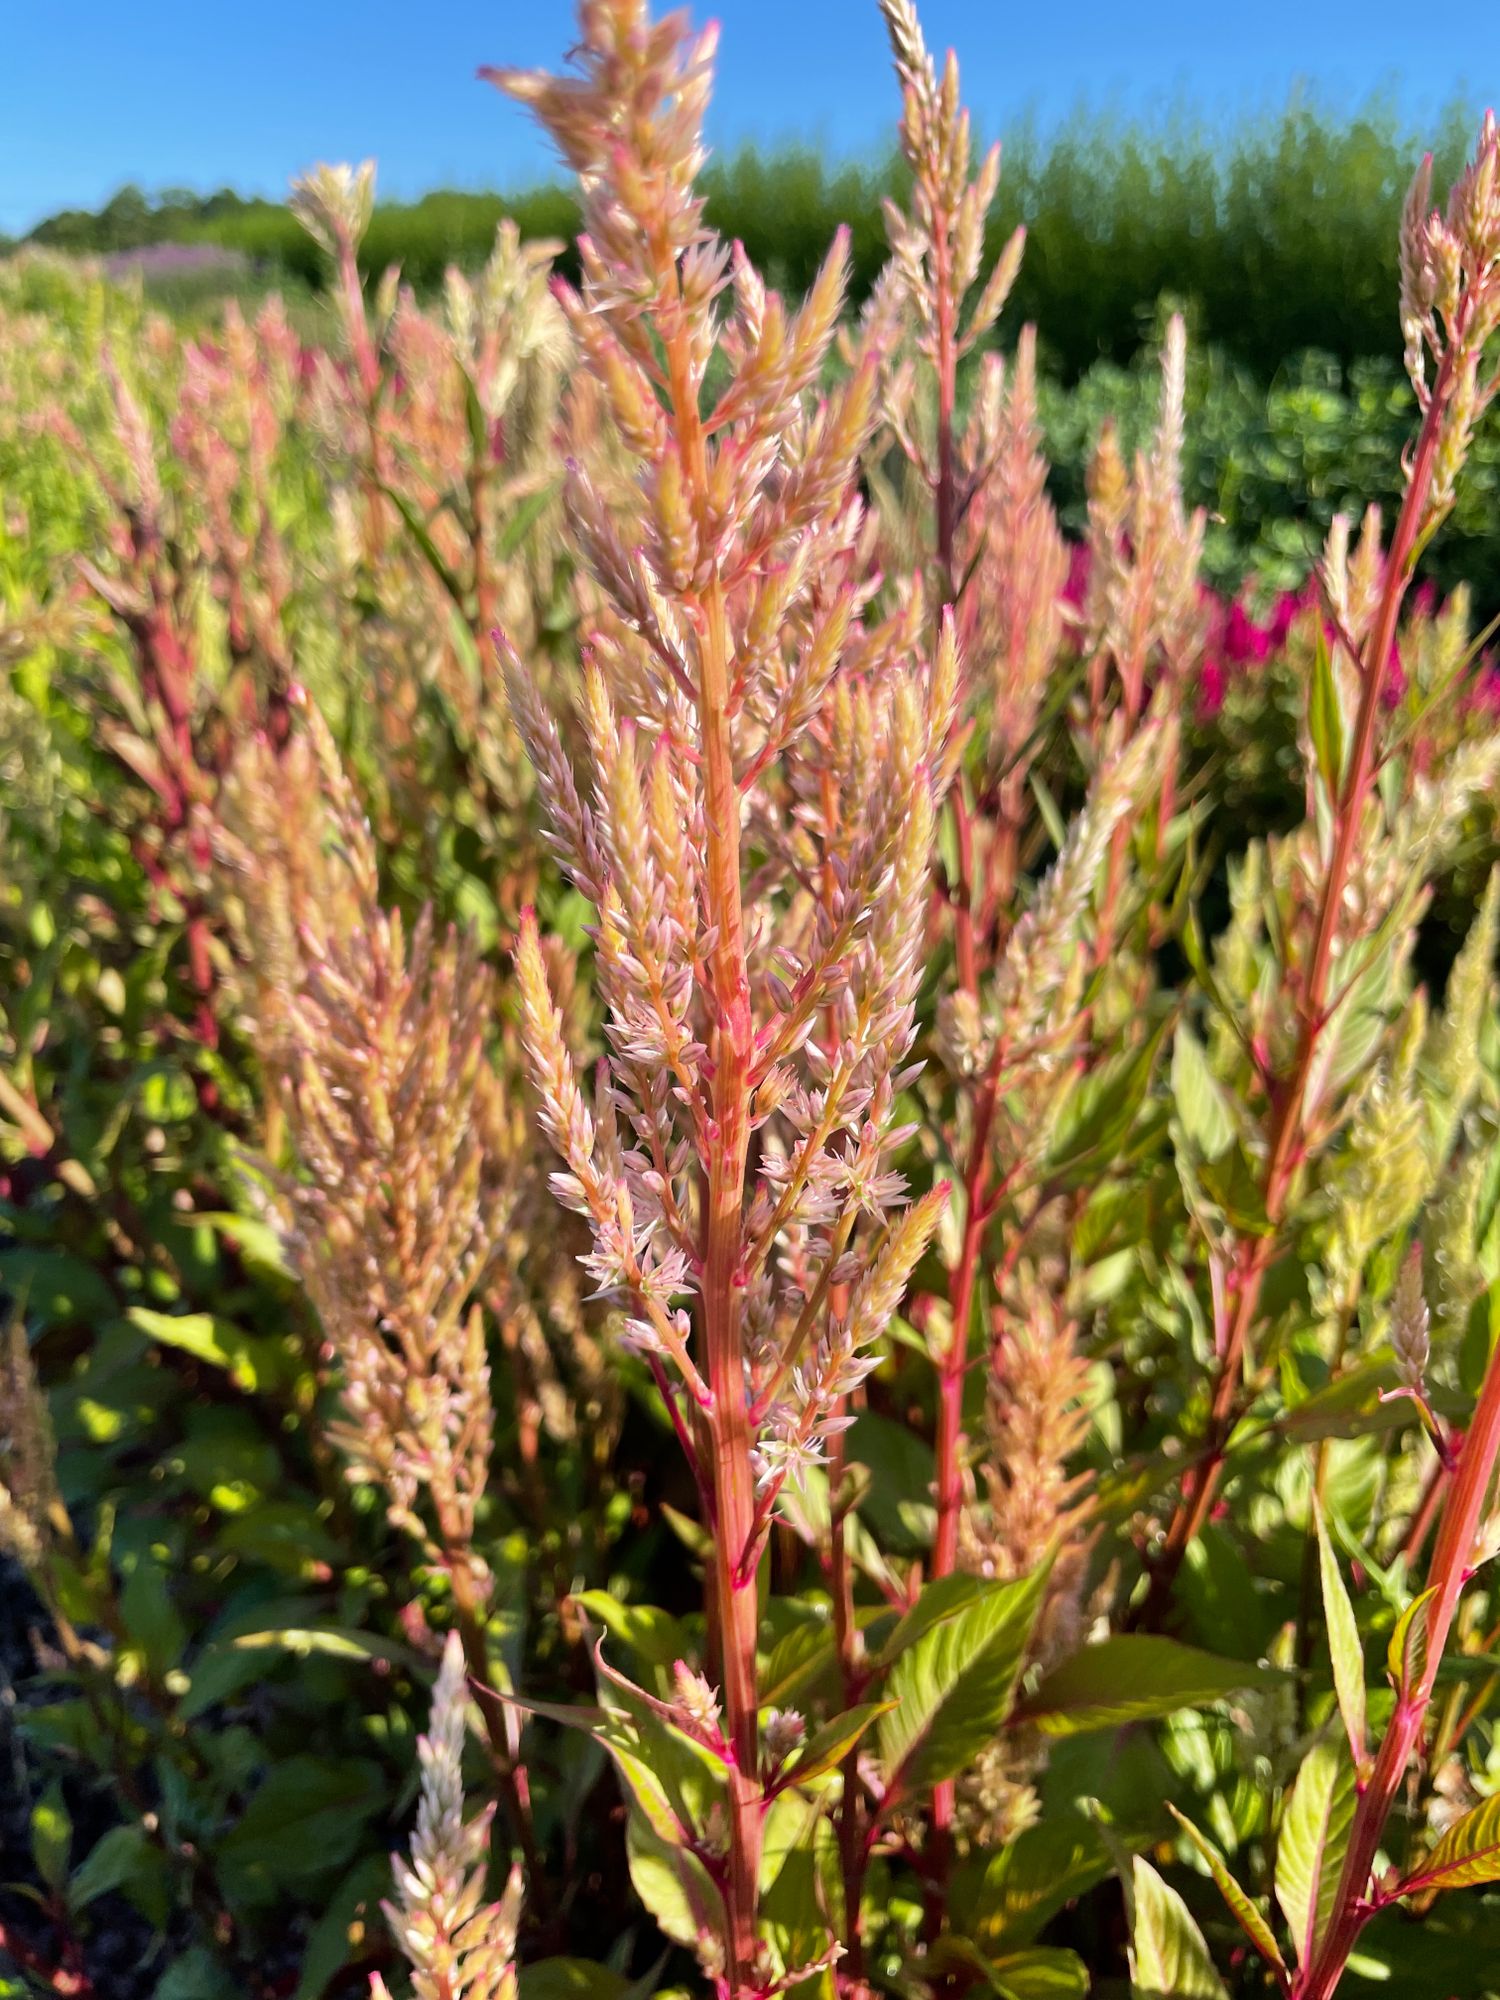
(1245, 642)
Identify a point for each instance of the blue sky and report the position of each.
(200, 93)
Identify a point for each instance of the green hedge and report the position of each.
(1279, 237)
(1273, 463)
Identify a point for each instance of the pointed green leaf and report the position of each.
(1467, 1854)
(151, 1620)
(128, 1861)
(1325, 717)
(522, 520)
(1049, 811)
(942, 1598)
(1200, 1102)
(952, 1689)
(1097, 1114)
(421, 534)
(338, 1642)
(1131, 1678)
(798, 1661)
(479, 430)
(1245, 1913)
(1315, 1829)
(198, 1975)
(249, 1360)
(308, 1814)
(51, 1837)
(652, 1635)
(1042, 1972)
(673, 1884)
(1169, 1960)
(331, 1943)
(1025, 1883)
(1406, 1655)
(648, 1778)
(788, 1827)
(1343, 1641)
(571, 1979)
(831, 1744)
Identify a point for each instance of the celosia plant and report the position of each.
(731, 710)
(459, 1946)
(995, 1388)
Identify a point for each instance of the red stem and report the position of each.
(853, 1857)
(1449, 1573)
(949, 1448)
(728, 1430)
(949, 1441)
(1288, 1135)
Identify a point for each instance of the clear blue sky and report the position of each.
(201, 93)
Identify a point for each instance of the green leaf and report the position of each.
(670, 1778)
(1025, 1883)
(798, 1662)
(1044, 1972)
(673, 1884)
(57, 1288)
(1348, 1406)
(571, 1979)
(1467, 1854)
(655, 1637)
(1041, 1972)
(1314, 1838)
(1201, 1105)
(943, 1598)
(334, 1941)
(197, 1975)
(798, 1913)
(51, 1837)
(421, 534)
(1245, 1913)
(257, 1242)
(1343, 1640)
(1325, 717)
(150, 1618)
(1132, 1677)
(1406, 1655)
(953, 1687)
(831, 1744)
(306, 1818)
(1234, 1184)
(669, 1820)
(898, 1506)
(1048, 810)
(217, 1673)
(479, 430)
(1169, 1960)
(787, 1828)
(694, 1537)
(338, 1642)
(1098, 1112)
(127, 1860)
(522, 520)
(249, 1360)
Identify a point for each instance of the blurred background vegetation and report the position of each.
(1277, 236)
(1277, 239)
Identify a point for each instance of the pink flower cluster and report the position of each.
(1235, 640)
